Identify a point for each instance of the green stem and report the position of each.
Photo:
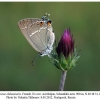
(62, 80)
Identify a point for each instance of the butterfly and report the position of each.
(39, 33)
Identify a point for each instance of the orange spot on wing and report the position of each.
(41, 23)
(48, 23)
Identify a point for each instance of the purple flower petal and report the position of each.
(66, 44)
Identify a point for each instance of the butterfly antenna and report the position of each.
(45, 16)
(33, 62)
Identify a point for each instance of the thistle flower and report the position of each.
(66, 44)
(66, 56)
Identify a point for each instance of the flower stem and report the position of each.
(62, 80)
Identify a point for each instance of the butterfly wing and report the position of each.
(50, 37)
(38, 33)
(24, 27)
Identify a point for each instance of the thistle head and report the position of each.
(66, 44)
(66, 56)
